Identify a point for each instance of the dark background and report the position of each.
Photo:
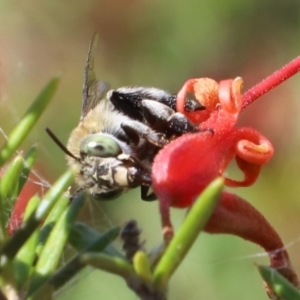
(161, 44)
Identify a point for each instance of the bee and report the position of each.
(120, 132)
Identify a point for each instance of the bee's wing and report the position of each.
(93, 90)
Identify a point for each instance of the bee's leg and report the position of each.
(193, 105)
(132, 96)
(127, 101)
(190, 104)
(126, 98)
(138, 175)
(137, 133)
(156, 114)
(144, 194)
(132, 133)
(179, 124)
(162, 118)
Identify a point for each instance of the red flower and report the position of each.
(183, 169)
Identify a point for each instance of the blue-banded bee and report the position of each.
(120, 132)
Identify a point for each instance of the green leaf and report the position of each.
(10, 180)
(29, 160)
(55, 213)
(20, 132)
(11, 184)
(53, 249)
(9, 250)
(195, 221)
(76, 264)
(279, 284)
(24, 259)
(83, 237)
(53, 195)
(8, 192)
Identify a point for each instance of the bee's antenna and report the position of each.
(60, 144)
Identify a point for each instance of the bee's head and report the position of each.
(106, 169)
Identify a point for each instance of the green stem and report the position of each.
(187, 234)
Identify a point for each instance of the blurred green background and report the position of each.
(161, 44)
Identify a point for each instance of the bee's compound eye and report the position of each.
(108, 196)
(100, 145)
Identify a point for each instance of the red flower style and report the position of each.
(183, 169)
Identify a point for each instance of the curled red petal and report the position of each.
(251, 172)
(253, 147)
